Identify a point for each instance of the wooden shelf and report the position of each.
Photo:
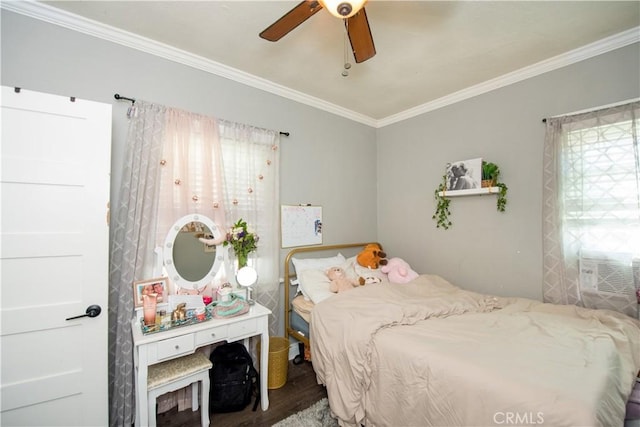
(471, 192)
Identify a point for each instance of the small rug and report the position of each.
(317, 415)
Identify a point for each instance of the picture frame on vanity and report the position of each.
(158, 286)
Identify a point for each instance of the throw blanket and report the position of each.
(430, 353)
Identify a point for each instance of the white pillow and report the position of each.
(323, 264)
(315, 284)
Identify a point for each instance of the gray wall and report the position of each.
(487, 251)
(330, 161)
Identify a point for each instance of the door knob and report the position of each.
(92, 311)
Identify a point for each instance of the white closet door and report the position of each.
(55, 163)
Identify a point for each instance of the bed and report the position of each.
(311, 261)
(430, 353)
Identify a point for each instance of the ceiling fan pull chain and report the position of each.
(347, 65)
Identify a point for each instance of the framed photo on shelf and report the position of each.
(464, 175)
(158, 286)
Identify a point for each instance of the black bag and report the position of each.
(233, 379)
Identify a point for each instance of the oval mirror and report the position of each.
(191, 263)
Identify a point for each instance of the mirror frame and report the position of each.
(167, 252)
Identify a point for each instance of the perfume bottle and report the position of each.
(160, 315)
(149, 305)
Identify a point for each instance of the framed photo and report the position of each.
(158, 286)
(464, 174)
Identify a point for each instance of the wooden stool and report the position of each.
(175, 374)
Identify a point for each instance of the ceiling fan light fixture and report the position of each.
(342, 8)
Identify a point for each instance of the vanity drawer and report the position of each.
(175, 346)
(240, 329)
(211, 335)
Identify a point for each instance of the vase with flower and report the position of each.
(242, 241)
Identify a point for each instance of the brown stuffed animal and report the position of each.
(372, 256)
(340, 282)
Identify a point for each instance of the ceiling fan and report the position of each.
(352, 12)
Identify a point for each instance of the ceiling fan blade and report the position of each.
(360, 36)
(291, 20)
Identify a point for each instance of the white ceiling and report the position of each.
(427, 51)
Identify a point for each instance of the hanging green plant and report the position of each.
(502, 196)
(442, 206)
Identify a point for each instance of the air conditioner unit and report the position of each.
(607, 281)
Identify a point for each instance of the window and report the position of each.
(600, 186)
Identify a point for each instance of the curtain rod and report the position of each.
(133, 101)
(602, 107)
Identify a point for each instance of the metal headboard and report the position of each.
(289, 274)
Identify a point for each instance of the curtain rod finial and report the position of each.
(119, 97)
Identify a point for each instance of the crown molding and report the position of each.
(594, 49)
(93, 28)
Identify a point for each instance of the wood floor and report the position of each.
(300, 392)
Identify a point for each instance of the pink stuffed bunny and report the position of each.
(398, 271)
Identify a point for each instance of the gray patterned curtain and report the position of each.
(133, 224)
(590, 194)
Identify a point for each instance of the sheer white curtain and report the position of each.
(226, 171)
(591, 193)
(251, 187)
(191, 171)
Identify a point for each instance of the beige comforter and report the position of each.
(430, 354)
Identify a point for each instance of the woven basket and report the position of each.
(278, 362)
(488, 183)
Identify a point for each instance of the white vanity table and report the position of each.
(190, 264)
(161, 346)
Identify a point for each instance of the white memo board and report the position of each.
(300, 225)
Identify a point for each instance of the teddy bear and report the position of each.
(372, 256)
(398, 271)
(340, 282)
